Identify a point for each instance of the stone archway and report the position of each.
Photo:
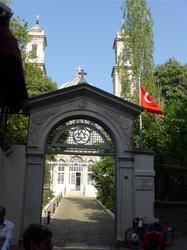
(116, 117)
(77, 141)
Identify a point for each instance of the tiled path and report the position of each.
(82, 224)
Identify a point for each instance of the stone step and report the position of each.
(74, 193)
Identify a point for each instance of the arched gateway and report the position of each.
(134, 170)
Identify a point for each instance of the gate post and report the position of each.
(144, 190)
(124, 196)
(33, 188)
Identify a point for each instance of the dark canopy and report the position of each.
(12, 84)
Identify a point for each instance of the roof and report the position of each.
(72, 82)
(82, 90)
(80, 76)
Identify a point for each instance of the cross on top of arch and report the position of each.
(81, 72)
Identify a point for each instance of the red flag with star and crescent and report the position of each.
(148, 102)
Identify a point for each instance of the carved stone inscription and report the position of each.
(144, 183)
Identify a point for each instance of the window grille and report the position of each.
(81, 137)
(72, 178)
(89, 174)
(60, 178)
(61, 165)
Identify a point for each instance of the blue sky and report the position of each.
(81, 32)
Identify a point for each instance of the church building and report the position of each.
(70, 174)
(36, 46)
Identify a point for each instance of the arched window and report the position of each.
(76, 164)
(34, 50)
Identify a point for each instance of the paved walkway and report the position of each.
(80, 223)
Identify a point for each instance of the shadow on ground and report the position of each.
(95, 233)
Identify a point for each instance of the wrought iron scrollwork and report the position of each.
(80, 136)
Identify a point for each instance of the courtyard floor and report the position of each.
(80, 223)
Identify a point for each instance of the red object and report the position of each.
(148, 102)
(152, 237)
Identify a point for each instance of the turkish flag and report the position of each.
(148, 102)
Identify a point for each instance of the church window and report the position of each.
(72, 178)
(61, 172)
(89, 179)
(61, 165)
(76, 165)
(60, 178)
(34, 50)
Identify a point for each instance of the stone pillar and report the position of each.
(33, 187)
(124, 196)
(144, 183)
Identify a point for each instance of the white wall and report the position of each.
(12, 176)
(144, 184)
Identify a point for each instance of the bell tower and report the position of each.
(36, 46)
(122, 63)
(118, 48)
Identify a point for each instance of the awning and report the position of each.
(12, 84)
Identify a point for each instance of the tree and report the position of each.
(172, 79)
(6, 1)
(167, 134)
(103, 174)
(36, 82)
(136, 61)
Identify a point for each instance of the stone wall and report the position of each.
(12, 177)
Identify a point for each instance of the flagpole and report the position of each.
(140, 127)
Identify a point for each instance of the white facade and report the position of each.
(71, 175)
(118, 47)
(36, 46)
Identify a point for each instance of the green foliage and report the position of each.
(137, 58)
(7, 2)
(104, 179)
(19, 28)
(172, 79)
(36, 82)
(47, 197)
(167, 134)
(17, 125)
